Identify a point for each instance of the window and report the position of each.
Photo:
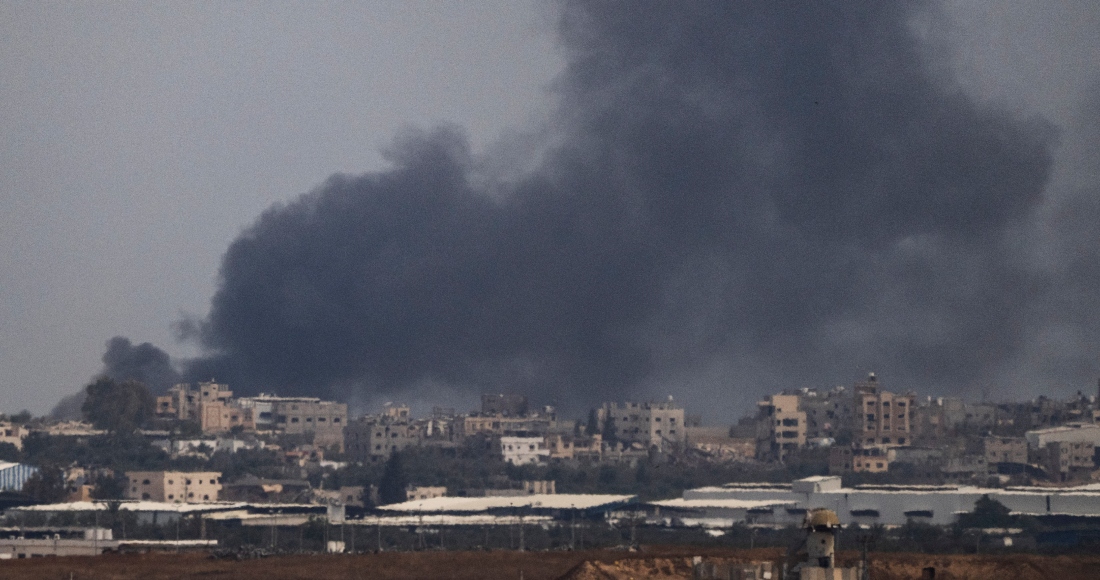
(293, 419)
(206, 497)
(320, 419)
(171, 496)
(335, 419)
(191, 495)
(170, 482)
(188, 482)
(870, 417)
(145, 482)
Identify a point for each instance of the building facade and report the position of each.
(882, 418)
(524, 450)
(174, 486)
(653, 424)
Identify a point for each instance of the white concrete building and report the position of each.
(1072, 433)
(524, 450)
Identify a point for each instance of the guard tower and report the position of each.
(821, 528)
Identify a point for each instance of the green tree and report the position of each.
(610, 432)
(391, 488)
(988, 513)
(593, 425)
(118, 407)
(47, 485)
(9, 452)
(111, 486)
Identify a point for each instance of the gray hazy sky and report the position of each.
(138, 139)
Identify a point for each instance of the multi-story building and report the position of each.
(1004, 450)
(221, 416)
(324, 420)
(653, 424)
(828, 413)
(174, 486)
(882, 418)
(500, 425)
(524, 450)
(1063, 459)
(13, 433)
(781, 427)
(373, 438)
(184, 401)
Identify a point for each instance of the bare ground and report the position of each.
(666, 562)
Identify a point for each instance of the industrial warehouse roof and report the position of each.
(480, 504)
(720, 503)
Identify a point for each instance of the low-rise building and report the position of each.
(174, 486)
(1075, 432)
(425, 492)
(524, 450)
(13, 433)
(1004, 450)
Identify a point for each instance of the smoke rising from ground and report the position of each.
(125, 361)
(732, 198)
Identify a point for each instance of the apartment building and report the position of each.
(500, 425)
(183, 401)
(324, 420)
(882, 418)
(174, 486)
(373, 438)
(653, 424)
(1004, 450)
(780, 427)
(1065, 459)
(828, 413)
(221, 416)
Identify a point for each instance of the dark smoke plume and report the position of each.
(790, 192)
(125, 361)
(144, 362)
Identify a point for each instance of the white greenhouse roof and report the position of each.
(720, 503)
(535, 501)
(131, 506)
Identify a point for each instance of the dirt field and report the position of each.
(664, 562)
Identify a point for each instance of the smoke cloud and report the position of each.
(732, 197)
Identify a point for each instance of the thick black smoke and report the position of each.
(144, 362)
(790, 190)
(125, 361)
